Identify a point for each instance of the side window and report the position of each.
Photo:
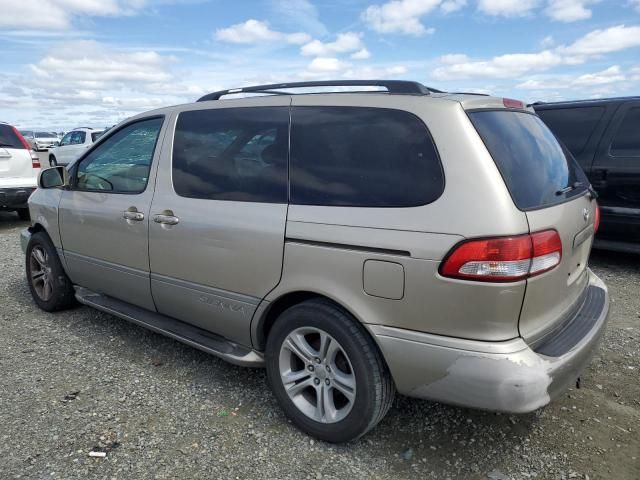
(362, 157)
(95, 136)
(232, 154)
(573, 126)
(77, 138)
(626, 142)
(122, 162)
(66, 140)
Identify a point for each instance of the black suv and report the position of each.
(604, 136)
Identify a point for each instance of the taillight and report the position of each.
(596, 219)
(504, 259)
(35, 160)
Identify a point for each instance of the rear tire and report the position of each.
(52, 161)
(338, 395)
(49, 285)
(23, 213)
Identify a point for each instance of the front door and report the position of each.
(616, 175)
(104, 217)
(216, 233)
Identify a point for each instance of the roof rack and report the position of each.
(397, 87)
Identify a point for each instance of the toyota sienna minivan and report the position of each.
(354, 243)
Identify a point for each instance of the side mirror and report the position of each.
(53, 177)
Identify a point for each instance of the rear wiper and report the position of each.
(570, 188)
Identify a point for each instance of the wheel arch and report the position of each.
(268, 312)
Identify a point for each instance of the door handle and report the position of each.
(133, 215)
(166, 219)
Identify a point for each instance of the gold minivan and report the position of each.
(354, 243)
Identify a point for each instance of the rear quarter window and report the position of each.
(8, 138)
(573, 126)
(535, 167)
(362, 157)
(626, 142)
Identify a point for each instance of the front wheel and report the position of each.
(326, 373)
(50, 287)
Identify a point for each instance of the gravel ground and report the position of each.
(81, 381)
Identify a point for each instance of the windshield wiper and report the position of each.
(7, 145)
(570, 188)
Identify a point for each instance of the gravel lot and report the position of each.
(81, 380)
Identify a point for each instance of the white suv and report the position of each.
(72, 145)
(19, 168)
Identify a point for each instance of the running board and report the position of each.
(183, 332)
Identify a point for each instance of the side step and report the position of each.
(183, 332)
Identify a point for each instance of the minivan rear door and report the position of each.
(216, 236)
(617, 167)
(546, 183)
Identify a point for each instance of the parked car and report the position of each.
(19, 168)
(604, 136)
(354, 244)
(40, 141)
(72, 145)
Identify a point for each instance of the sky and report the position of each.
(70, 63)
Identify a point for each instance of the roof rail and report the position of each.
(401, 87)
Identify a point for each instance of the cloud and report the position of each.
(88, 63)
(299, 14)
(595, 43)
(256, 31)
(609, 40)
(449, 6)
(361, 54)
(59, 14)
(507, 8)
(608, 76)
(547, 42)
(327, 64)
(345, 42)
(569, 10)
(89, 76)
(401, 16)
(503, 66)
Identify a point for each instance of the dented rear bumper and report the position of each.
(506, 376)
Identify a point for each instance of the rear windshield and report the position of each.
(537, 170)
(8, 138)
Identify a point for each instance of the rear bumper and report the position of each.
(500, 376)
(15, 197)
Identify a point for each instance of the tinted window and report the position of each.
(66, 140)
(95, 136)
(121, 163)
(363, 157)
(77, 138)
(232, 154)
(535, 167)
(8, 138)
(626, 143)
(573, 126)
